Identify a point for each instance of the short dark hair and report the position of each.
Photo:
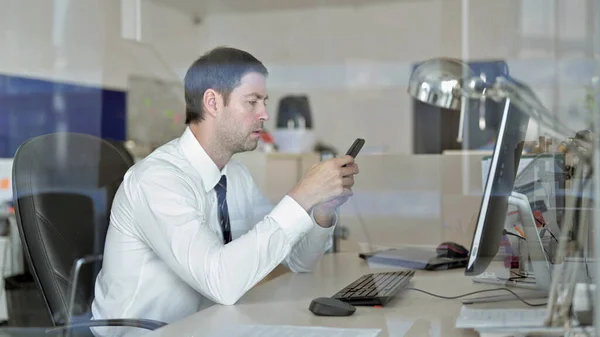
(220, 69)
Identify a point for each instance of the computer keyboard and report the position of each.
(375, 288)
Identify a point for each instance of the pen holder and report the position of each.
(508, 252)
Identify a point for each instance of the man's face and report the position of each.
(241, 121)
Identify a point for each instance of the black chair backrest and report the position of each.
(63, 185)
(120, 146)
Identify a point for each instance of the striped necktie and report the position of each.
(221, 189)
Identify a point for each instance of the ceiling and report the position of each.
(203, 7)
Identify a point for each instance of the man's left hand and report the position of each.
(324, 212)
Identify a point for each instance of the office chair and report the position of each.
(57, 180)
(120, 146)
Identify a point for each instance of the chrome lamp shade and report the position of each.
(448, 83)
(439, 82)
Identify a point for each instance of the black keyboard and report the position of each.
(375, 288)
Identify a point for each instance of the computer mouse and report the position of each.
(451, 249)
(327, 306)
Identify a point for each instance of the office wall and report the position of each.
(80, 41)
(64, 65)
(354, 62)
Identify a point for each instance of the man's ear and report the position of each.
(212, 102)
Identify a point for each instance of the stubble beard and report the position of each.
(235, 141)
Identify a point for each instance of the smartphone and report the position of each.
(355, 148)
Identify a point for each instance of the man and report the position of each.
(189, 227)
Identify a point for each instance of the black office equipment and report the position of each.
(498, 186)
(451, 250)
(326, 306)
(375, 288)
(498, 195)
(355, 148)
(294, 112)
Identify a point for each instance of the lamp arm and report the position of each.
(528, 103)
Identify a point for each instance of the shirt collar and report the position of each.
(195, 153)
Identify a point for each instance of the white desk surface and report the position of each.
(285, 301)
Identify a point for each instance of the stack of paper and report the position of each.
(508, 322)
(292, 331)
(484, 318)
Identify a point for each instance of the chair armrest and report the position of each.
(75, 279)
(147, 324)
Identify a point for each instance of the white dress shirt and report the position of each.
(165, 256)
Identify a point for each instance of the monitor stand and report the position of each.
(539, 285)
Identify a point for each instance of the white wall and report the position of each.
(354, 62)
(80, 41)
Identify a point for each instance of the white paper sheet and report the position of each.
(292, 331)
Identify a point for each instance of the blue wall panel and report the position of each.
(32, 107)
(114, 120)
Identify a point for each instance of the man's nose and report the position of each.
(263, 114)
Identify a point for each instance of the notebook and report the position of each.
(414, 258)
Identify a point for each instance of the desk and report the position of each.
(285, 300)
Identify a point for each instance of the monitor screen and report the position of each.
(498, 187)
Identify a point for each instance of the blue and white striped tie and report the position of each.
(221, 189)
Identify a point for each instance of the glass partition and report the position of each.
(425, 83)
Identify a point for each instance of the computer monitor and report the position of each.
(498, 194)
(498, 188)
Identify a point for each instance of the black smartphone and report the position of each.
(355, 148)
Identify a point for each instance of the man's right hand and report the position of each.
(325, 181)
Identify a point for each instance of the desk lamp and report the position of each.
(444, 82)
(450, 83)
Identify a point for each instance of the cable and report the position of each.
(519, 274)
(505, 232)
(478, 292)
(548, 230)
